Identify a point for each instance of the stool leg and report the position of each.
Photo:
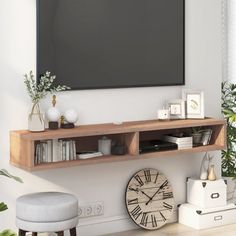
(34, 234)
(61, 233)
(73, 232)
(22, 232)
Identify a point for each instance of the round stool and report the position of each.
(47, 212)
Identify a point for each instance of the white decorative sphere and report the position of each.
(71, 116)
(53, 114)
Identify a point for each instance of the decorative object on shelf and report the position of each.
(149, 199)
(205, 166)
(36, 121)
(69, 119)
(195, 103)
(206, 136)
(211, 174)
(197, 136)
(177, 109)
(53, 115)
(118, 148)
(104, 145)
(163, 114)
(38, 90)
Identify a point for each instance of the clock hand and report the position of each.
(161, 187)
(145, 194)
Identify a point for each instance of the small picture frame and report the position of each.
(177, 108)
(194, 103)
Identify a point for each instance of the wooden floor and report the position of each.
(181, 230)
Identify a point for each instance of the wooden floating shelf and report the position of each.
(131, 133)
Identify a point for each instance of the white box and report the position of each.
(198, 218)
(206, 194)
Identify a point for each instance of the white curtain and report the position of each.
(229, 39)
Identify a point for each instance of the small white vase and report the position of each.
(36, 122)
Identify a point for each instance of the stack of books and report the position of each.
(183, 142)
(43, 152)
(55, 150)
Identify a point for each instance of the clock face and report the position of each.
(149, 199)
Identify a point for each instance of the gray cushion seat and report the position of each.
(46, 212)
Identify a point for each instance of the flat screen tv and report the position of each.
(92, 44)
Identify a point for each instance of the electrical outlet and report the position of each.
(91, 209)
(98, 208)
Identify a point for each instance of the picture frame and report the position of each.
(177, 108)
(194, 103)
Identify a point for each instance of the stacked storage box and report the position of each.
(206, 205)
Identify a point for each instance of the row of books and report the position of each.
(55, 150)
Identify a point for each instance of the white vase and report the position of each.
(36, 121)
(211, 173)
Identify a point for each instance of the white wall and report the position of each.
(104, 182)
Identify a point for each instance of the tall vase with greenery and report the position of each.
(3, 206)
(38, 90)
(229, 154)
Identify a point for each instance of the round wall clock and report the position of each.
(149, 199)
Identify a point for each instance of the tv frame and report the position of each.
(110, 87)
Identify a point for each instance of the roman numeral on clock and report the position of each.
(167, 206)
(154, 221)
(139, 180)
(156, 177)
(163, 217)
(147, 175)
(144, 219)
(167, 195)
(133, 201)
(136, 212)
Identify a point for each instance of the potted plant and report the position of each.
(38, 90)
(197, 135)
(228, 105)
(3, 206)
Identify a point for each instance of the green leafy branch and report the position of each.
(3, 206)
(228, 107)
(39, 90)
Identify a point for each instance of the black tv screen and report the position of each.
(93, 44)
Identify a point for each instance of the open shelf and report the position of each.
(130, 133)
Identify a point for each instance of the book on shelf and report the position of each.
(55, 150)
(87, 155)
(183, 141)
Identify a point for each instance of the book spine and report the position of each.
(54, 150)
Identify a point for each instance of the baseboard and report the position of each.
(110, 225)
(107, 226)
